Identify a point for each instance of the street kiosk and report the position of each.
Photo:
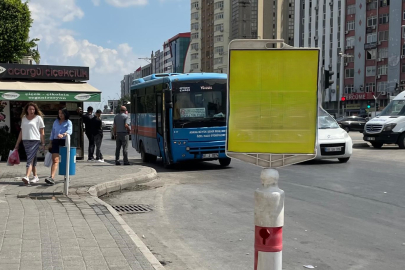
(51, 88)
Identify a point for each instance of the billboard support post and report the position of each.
(269, 222)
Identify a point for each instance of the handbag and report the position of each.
(48, 160)
(8, 159)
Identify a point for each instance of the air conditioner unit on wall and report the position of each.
(402, 56)
(379, 59)
(346, 32)
(383, 93)
(378, 77)
(346, 64)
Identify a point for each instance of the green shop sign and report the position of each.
(50, 96)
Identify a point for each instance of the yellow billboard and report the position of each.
(273, 100)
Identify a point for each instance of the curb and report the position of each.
(145, 175)
(137, 241)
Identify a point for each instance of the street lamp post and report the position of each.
(342, 57)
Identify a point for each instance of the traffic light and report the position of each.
(377, 106)
(368, 105)
(328, 78)
(343, 99)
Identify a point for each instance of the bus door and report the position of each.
(167, 104)
(135, 142)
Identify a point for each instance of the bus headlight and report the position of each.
(389, 127)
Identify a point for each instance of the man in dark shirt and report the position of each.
(88, 130)
(97, 125)
(121, 132)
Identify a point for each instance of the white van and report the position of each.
(389, 126)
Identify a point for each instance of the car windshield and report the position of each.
(395, 108)
(108, 117)
(325, 121)
(199, 103)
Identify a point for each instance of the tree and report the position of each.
(123, 101)
(15, 24)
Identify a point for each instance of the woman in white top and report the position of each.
(31, 134)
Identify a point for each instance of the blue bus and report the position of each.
(180, 117)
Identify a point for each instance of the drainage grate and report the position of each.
(132, 208)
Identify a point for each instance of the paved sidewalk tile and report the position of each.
(41, 229)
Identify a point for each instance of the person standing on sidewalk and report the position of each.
(60, 129)
(31, 134)
(89, 131)
(121, 133)
(98, 135)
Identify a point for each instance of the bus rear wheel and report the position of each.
(224, 162)
(144, 156)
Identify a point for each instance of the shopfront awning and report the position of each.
(49, 91)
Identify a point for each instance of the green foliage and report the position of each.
(15, 24)
(123, 101)
(7, 142)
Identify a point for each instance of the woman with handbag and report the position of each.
(60, 129)
(31, 134)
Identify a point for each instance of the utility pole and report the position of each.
(342, 75)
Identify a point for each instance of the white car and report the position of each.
(333, 141)
(107, 120)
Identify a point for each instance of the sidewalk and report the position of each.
(42, 229)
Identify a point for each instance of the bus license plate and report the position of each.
(370, 138)
(333, 149)
(210, 155)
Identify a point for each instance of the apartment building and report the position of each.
(374, 36)
(126, 84)
(210, 28)
(243, 23)
(276, 19)
(175, 50)
(320, 24)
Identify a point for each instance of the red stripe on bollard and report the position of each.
(268, 239)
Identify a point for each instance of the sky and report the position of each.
(108, 36)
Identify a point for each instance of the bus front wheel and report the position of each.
(224, 162)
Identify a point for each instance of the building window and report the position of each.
(219, 49)
(219, 16)
(349, 73)
(194, 16)
(194, 56)
(219, 4)
(372, 37)
(350, 25)
(383, 53)
(371, 54)
(370, 71)
(382, 70)
(384, 3)
(403, 49)
(383, 35)
(195, 35)
(349, 59)
(403, 68)
(370, 87)
(350, 42)
(382, 86)
(384, 18)
(403, 15)
(349, 88)
(219, 27)
(218, 60)
(194, 4)
(194, 66)
(219, 38)
(371, 21)
(351, 9)
(194, 26)
(194, 46)
(372, 5)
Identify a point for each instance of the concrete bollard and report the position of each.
(269, 222)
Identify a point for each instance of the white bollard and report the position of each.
(66, 186)
(269, 222)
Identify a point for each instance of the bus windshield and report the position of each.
(396, 107)
(199, 103)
